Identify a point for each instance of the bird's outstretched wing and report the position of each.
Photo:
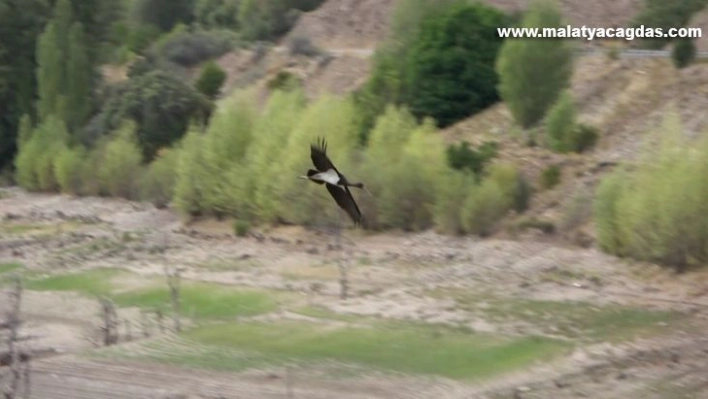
(345, 200)
(318, 153)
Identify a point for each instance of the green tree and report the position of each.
(534, 72)
(164, 14)
(451, 71)
(162, 105)
(217, 13)
(211, 79)
(50, 72)
(19, 31)
(386, 83)
(666, 15)
(78, 71)
(684, 52)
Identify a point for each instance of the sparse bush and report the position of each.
(684, 52)
(241, 228)
(584, 138)
(453, 191)
(284, 81)
(489, 201)
(654, 212)
(211, 79)
(302, 45)
(545, 226)
(190, 48)
(550, 177)
(560, 124)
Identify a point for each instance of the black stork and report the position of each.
(337, 184)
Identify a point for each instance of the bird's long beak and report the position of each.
(303, 177)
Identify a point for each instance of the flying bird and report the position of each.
(337, 184)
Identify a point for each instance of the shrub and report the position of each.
(545, 226)
(489, 201)
(461, 157)
(453, 191)
(211, 79)
(241, 228)
(120, 167)
(157, 185)
(550, 177)
(187, 48)
(284, 81)
(302, 45)
(655, 211)
(683, 52)
(560, 123)
(584, 138)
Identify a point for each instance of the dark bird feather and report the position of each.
(318, 153)
(345, 200)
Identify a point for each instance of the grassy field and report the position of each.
(9, 267)
(572, 319)
(381, 346)
(203, 300)
(209, 301)
(400, 347)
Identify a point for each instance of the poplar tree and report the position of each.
(533, 72)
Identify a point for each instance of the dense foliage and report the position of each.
(450, 73)
(666, 15)
(684, 52)
(435, 61)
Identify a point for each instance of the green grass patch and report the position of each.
(203, 300)
(95, 282)
(9, 267)
(210, 301)
(572, 319)
(399, 347)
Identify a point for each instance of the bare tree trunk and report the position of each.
(173, 282)
(128, 330)
(12, 325)
(110, 322)
(144, 322)
(341, 265)
(289, 383)
(160, 323)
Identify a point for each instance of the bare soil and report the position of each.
(392, 276)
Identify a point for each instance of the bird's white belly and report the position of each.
(329, 176)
